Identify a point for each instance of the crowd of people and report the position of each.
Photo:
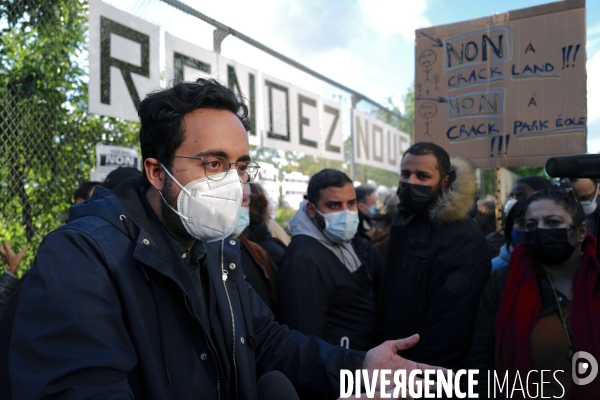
(176, 283)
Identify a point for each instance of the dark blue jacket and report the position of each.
(109, 311)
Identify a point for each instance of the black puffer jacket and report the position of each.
(437, 264)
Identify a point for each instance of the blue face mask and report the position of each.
(340, 226)
(518, 236)
(372, 210)
(243, 220)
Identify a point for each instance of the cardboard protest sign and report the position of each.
(507, 90)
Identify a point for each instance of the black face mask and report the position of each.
(549, 246)
(414, 197)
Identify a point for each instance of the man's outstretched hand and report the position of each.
(385, 356)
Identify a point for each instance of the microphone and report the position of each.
(276, 386)
(579, 166)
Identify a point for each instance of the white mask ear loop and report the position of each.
(172, 209)
(317, 210)
(175, 180)
(182, 188)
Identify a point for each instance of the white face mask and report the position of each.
(589, 206)
(208, 208)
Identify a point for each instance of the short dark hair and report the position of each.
(83, 191)
(161, 114)
(566, 198)
(120, 175)
(423, 148)
(362, 192)
(535, 182)
(322, 180)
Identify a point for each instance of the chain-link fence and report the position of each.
(47, 135)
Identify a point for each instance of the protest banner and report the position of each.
(124, 61)
(376, 143)
(506, 90)
(125, 66)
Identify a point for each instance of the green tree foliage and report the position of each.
(47, 136)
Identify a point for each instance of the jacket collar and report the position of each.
(455, 203)
(260, 232)
(154, 246)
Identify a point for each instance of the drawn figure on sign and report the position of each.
(426, 60)
(419, 87)
(436, 79)
(427, 110)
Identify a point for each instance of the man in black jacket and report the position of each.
(140, 295)
(437, 259)
(325, 286)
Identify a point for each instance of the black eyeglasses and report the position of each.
(215, 168)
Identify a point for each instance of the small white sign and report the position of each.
(186, 62)
(244, 82)
(305, 120)
(331, 130)
(278, 130)
(109, 158)
(376, 143)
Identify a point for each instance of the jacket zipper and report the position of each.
(224, 278)
(187, 306)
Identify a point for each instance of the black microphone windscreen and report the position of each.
(276, 386)
(580, 166)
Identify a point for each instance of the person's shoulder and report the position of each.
(302, 240)
(87, 224)
(303, 247)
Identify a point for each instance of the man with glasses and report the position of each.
(141, 295)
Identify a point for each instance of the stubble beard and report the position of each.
(170, 219)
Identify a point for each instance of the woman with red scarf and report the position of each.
(542, 309)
